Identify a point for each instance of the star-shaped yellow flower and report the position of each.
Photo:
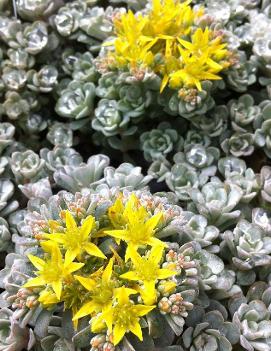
(76, 240)
(52, 272)
(101, 290)
(122, 316)
(147, 271)
(140, 226)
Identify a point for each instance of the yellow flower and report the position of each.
(101, 291)
(52, 272)
(147, 271)
(151, 41)
(140, 226)
(115, 213)
(76, 240)
(204, 41)
(170, 18)
(129, 50)
(195, 69)
(47, 298)
(122, 316)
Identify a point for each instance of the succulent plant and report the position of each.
(159, 142)
(76, 101)
(15, 106)
(253, 320)
(7, 131)
(44, 80)
(214, 123)
(35, 9)
(189, 103)
(209, 331)
(248, 246)
(109, 119)
(197, 229)
(7, 203)
(243, 113)
(12, 336)
(239, 144)
(60, 157)
(86, 174)
(265, 183)
(262, 133)
(217, 202)
(181, 179)
(126, 176)
(242, 74)
(5, 236)
(60, 134)
(27, 166)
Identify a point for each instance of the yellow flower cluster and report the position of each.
(169, 42)
(74, 270)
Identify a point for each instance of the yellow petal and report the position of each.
(108, 271)
(164, 83)
(130, 250)
(156, 254)
(36, 261)
(97, 324)
(165, 273)
(87, 283)
(186, 44)
(122, 294)
(136, 329)
(119, 234)
(214, 64)
(48, 246)
(85, 310)
(129, 276)
(70, 222)
(57, 237)
(142, 310)
(118, 333)
(39, 281)
(47, 297)
(148, 292)
(56, 253)
(57, 287)
(93, 250)
(87, 226)
(153, 221)
(108, 317)
(69, 257)
(74, 266)
(155, 242)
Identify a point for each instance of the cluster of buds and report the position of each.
(174, 261)
(188, 95)
(25, 298)
(178, 262)
(77, 208)
(166, 287)
(102, 342)
(174, 304)
(37, 226)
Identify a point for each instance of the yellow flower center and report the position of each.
(147, 270)
(103, 294)
(74, 239)
(52, 272)
(124, 315)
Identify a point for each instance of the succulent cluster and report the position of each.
(135, 175)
